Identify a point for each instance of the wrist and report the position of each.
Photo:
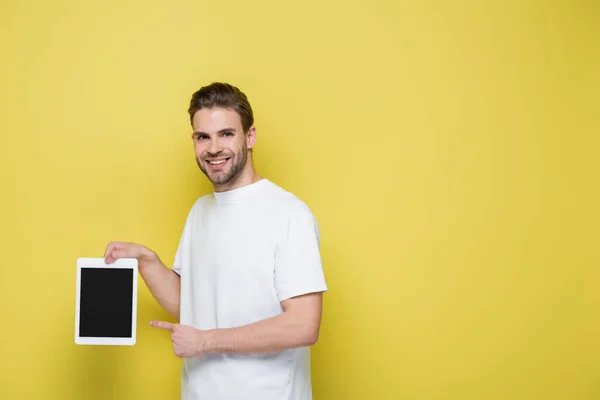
(148, 258)
(202, 342)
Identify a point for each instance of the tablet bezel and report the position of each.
(122, 263)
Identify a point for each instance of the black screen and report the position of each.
(106, 302)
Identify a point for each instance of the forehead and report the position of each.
(214, 119)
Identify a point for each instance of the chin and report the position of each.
(219, 179)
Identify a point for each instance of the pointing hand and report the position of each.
(187, 341)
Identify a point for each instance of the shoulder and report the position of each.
(200, 205)
(285, 203)
(291, 215)
(203, 201)
(295, 224)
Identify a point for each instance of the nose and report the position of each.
(215, 146)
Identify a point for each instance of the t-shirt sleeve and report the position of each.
(298, 265)
(176, 267)
(183, 244)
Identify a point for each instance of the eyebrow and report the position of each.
(220, 131)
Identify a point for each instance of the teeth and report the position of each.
(216, 162)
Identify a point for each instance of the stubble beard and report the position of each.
(227, 177)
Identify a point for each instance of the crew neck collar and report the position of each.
(239, 194)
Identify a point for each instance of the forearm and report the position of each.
(164, 285)
(278, 333)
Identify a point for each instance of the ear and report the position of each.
(251, 137)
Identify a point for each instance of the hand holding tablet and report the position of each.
(117, 250)
(107, 292)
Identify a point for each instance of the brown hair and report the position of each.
(222, 95)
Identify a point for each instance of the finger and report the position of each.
(114, 254)
(163, 325)
(108, 249)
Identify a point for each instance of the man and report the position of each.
(247, 280)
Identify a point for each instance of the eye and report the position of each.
(227, 133)
(201, 137)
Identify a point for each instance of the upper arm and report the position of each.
(299, 278)
(306, 311)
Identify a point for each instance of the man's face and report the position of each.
(221, 145)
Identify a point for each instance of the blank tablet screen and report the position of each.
(106, 302)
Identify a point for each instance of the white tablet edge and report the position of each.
(128, 263)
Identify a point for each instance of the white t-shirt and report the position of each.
(241, 253)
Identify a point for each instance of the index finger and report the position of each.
(167, 326)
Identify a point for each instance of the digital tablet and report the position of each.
(106, 302)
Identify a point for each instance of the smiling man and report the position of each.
(247, 281)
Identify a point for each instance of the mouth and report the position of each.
(217, 163)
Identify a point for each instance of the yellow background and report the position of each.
(448, 149)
